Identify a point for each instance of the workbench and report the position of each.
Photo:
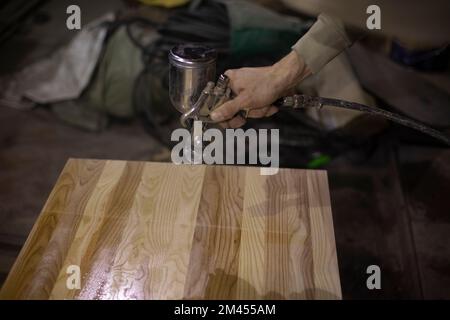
(142, 230)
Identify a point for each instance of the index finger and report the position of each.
(228, 109)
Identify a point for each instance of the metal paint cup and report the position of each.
(191, 68)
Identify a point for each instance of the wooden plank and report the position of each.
(145, 244)
(35, 269)
(215, 251)
(158, 231)
(326, 279)
(89, 228)
(252, 256)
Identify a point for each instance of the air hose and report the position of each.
(304, 101)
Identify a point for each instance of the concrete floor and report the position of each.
(389, 209)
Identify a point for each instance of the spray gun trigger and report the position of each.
(210, 99)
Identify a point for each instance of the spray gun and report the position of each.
(193, 92)
(191, 87)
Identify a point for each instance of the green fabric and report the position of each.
(250, 42)
(112, 88)
(257, 30)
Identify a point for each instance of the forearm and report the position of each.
(289, 72)
(326, 39)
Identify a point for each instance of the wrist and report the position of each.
(289, 71)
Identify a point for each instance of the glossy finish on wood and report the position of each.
(159, 231)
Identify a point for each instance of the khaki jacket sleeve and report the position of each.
(326, 39)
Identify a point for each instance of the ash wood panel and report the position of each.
(35, 270)
(159, 231)
(215, 250)
(145, 245)
(89, 227)
(326, 281)
(163, 228)
(253, 244)
(276, 256)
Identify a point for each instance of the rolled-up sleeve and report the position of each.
(325, 40)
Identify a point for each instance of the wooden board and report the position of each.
(158, 231)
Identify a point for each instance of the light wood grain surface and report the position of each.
(159, 231)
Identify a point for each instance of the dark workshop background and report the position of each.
(389, 191)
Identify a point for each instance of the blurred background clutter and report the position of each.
(102, 92)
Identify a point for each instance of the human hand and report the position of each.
(257, 88)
